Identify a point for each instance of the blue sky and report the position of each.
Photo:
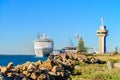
(22, 20)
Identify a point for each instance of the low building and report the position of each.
(69, 49)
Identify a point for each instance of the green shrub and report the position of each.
(77, 72)
(115, 53)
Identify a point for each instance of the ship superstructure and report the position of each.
(43, 46)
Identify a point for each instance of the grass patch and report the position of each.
(98, 71)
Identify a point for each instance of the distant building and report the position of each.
(102, 33)
(69, 49)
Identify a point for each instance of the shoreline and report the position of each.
(55, 67)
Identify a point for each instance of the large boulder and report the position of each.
(2, 76)
(64, 56)
(10, 74)
(26, 73)
(47, 64)
(34, 76)
(18, 68)
(117, 65)
(54, 69)
(43, 77)
(31, 68)
(38, 62)
(24, 68)
(28, 63)
(10, 65)
(20, 76)
(3, 69)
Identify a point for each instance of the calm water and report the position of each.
(19, 59)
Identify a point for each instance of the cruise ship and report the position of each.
(43, 46)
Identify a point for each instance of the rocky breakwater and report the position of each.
(56, 67)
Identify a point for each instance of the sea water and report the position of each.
(19, 59)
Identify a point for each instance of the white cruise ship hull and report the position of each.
(44, 52)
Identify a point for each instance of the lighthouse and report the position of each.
(102, 34)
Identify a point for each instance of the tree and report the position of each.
(116, 51)
(81, 46)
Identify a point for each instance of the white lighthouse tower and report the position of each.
(102, 33)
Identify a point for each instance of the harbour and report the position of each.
(19, 59)
(59, 40)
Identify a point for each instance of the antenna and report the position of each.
(102, 21)
(77, 36)
(38, 35)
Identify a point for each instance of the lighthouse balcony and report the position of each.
(102, 32)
